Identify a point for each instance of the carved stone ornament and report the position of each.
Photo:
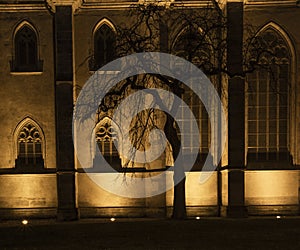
(74, 3)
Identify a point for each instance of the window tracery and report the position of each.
(267, 96)
(107, 141)
(29, 143)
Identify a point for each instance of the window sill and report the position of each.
(14, 170)
(269, 165)
(26, 69)
(33, 73)
(102, 72)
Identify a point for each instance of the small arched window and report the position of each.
(104, 46)
(107, 139)
(26, 50)
(29, 146)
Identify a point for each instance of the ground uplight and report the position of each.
(24, 222)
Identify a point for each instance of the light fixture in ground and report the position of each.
(24, 222)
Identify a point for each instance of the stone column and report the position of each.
(66, 189)
(236, 111)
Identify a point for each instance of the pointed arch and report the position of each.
(29, 144)
(269, 97)
(203, 54)
(185, 42)
(104, 21)
(107, 121)
(183, 30)
(104, 41)
(25, 48)
(23, 23)
(279, 30)
(107, 135)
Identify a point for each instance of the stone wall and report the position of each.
(28, 195)
(26, 94)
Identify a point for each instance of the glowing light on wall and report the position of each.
(24, 222)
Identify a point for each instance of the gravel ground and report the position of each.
(205, 233)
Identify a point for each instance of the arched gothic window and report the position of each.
(188, 45)
(267, 97)
(104, 46)
(29, 146)
(26, 50)
(107, 139)
(201, 116)
(193, 46)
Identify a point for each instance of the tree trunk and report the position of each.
(179, 206)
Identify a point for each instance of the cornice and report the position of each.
(29, 7)
(270, 3)
(12, 6)
(193, 3)
(125, 4)
(74, 3)
(107, 5)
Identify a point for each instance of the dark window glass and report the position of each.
(26, 51)
(104, 46)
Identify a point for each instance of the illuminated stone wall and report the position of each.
(268, 191)
(86, 22)
(28, 195)
(28, 191)
(283, 19)
(93, 199)
(278, 188)
(273, 187)
(26, 94)
(32, 94)
(201, 199)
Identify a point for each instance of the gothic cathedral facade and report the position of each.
(49, 50)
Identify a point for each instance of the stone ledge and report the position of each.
(194, 211)
(291, 210)
(21, 213)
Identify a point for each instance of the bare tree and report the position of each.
(199, 36)
(200, 41)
